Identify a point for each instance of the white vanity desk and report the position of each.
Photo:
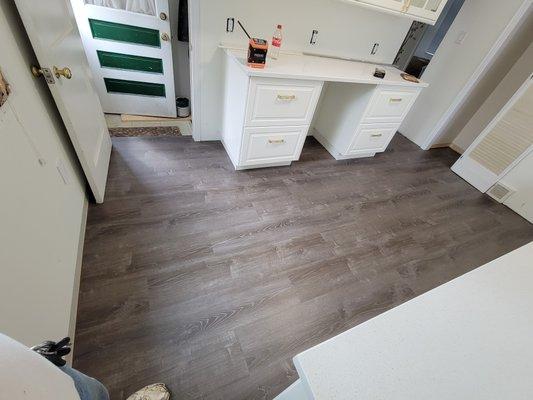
(268, 112)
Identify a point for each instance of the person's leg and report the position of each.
(88, 388)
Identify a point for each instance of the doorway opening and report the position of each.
(422, 41)
(138, 54)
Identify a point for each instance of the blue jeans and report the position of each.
(88, 388)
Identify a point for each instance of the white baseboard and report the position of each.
(336, 154)
(456, 148)
(452, 146)
(475, 174)
(440, 145)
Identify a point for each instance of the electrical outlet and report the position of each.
(230, 24)
(314, 36)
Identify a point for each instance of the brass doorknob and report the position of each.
(65, 72)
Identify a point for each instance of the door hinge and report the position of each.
(46, 72)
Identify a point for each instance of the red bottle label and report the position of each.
(276, 42)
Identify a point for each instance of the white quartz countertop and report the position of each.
(471, 338)
(299, 66)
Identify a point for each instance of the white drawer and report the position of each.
(274, 102)
(390, 105)
(272, 145)
(374, 138)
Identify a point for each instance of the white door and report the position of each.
(503, 143)
(52, 31)
(129, 51)
(520, 181)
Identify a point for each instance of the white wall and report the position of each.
(453, 65)
(496, 100)
(520, 178)
(41, 217)
(344, 30)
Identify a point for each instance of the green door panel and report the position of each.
(130, 62)
(134, 87)
(124, 33)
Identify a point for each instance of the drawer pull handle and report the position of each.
(376, 135)
(395, 100)
(286, 98)
(276, 141)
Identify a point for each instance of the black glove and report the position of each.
(53, 351)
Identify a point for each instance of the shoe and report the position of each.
(156, 391)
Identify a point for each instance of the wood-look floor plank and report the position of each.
(211, 280)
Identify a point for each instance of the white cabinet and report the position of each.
(263, 145)
(297, 391)
(427, 11)
(266, 120)
(390, 105)
(374, 138)
(284, 102)
(360, 120)
(267, 113)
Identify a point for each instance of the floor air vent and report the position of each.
(499, 192)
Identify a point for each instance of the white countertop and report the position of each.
(471, 338)
(299, 66)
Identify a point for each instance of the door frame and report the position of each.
(194, 9)
(448, 117)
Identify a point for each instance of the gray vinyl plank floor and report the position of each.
(211, 280)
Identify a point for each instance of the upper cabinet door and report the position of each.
(393, 5)
(425, 9)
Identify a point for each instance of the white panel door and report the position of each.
(520, 180)
(502, 144)
(155, 18)
(52, 31)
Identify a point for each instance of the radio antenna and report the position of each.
(239, 22)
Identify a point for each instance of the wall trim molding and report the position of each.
(194, 67)
(456, 148)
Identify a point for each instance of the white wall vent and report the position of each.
(510, 137)
(505, 140)
(500, 192)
